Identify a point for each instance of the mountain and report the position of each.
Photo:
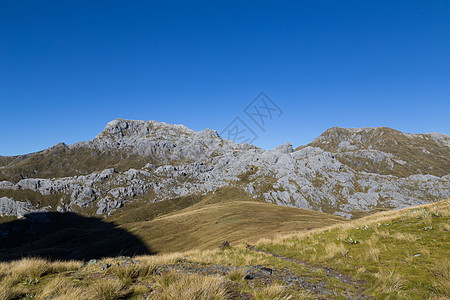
(346, 172)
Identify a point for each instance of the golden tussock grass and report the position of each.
(428, 220)
(34, 268)
(237, 275)
(169, 258)
(61, 288)
(27, 268)
(74, 293)
(373, 254)
(408, 237)
(441, 281)
(175, 285)
(332, 249)
(271, 292)
(61, 266)
(389, 282)
(238, 256)
(8, 291)
(373, 240)
(106, 289)
(383, 234)
(425, 252)
(128, 273)
(236, 218)
(445, 227)
(360, 271)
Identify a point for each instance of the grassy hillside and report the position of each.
(208, 226)
(61, 161)
(391, 255)
(180, 224)
(204, 222)
(400, 254)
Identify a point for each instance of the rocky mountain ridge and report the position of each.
(344, 171)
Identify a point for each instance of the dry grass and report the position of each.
(271, 292)
(106, 289)
(169, 258)
(8, 291)
(32, 268)
(280, 292)
(74, 293)
(445, 227)
(428, 220)
(174, 285)
(61, 288)
(360, 271)
(441, 282)
(236, 275)
(208, 225)
(237, 256)
(61, 266)
(383, 234)
(333, 249)
(408, 237)
(389, 282)
(373, 254)
(128, 273)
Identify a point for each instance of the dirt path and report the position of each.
(358, 288)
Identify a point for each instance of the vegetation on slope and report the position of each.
(401, 254)
(61, 161)
(181, 224)
(205, 222)
(208, 226)
(396, 255)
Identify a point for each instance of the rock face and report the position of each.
(340, 172)
(9, 207)
(387, 151)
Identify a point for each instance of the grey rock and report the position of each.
(10, 207)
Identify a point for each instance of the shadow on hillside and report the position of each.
(66, 236)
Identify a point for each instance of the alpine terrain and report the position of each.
(345, 172)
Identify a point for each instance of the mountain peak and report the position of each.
(124, 127)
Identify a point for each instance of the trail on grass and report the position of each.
(357, 291)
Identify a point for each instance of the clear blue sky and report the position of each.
(69, 67)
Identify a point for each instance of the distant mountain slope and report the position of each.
(347, 172)
(387, 151)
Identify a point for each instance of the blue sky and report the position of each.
(69, 67)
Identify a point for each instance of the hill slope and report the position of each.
(207, 226)
(391, 255)
(191, 223)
